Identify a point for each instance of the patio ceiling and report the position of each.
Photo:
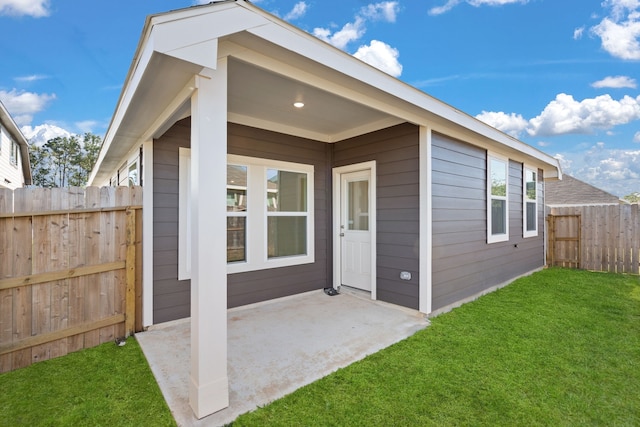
(257, 97)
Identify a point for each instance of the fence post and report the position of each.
(130, 268)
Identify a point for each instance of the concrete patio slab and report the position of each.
(277, 347)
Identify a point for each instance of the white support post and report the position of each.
(426, 218)
(209, 384)
(147, 233)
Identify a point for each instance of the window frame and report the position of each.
(502, 237)
(257, 214)
(525, 199)
(14, 153)
(256, 237)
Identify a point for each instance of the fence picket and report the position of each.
(56, 293)
(609, 237)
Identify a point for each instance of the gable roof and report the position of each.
(270, 62)
(16, 134)
(573, 192)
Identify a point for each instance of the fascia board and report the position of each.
(295, 40)
(176, 34)
(10, 125)
(179, 35)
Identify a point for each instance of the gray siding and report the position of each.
(255, 286)
(396, 152)
(463, 263)
(171, 296)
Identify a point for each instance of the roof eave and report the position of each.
(20, 139)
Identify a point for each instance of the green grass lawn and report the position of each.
(558, 348)
(106, 385)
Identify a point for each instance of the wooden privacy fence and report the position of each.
(69, 270)
(597, 238)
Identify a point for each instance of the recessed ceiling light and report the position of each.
(298, 104)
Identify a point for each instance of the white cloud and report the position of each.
(31, 78)
(351, 31)
(616, 82)
(511, 124)
(620, 31)
(386, 11)
(565, 164)
(616, 171)
(450, 4)
(544, 143)
(298, 11)
(23, 105)
(565, 115)
(577, 33)
(39, 135)
(636, 137)
(86, 125)
(381, 56)
(34, 8)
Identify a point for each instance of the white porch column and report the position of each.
(209, 385)
(147, 233)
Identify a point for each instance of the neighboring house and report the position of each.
(572, 192)
(15, 170)
(334, 174)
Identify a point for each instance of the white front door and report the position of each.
(355, 229)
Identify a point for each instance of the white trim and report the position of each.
(184, 214)
(209, 383)
(337, 247)
(147, 234)
(494, 238)
(426, 223)
(257, 215)
(529, 233)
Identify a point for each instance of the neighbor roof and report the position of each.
(10, 125)
(573, 192)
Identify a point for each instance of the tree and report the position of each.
(633, 197)
(64, 161)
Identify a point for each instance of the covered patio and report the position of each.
(278, 346)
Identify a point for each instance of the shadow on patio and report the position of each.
(277, 347)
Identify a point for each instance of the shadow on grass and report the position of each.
(108, 385)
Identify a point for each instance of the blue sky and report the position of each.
(561, 75)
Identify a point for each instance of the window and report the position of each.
(269, 214)
(14, 154)
(530, 202)
(133, 174)
(236, 213)
(497, 199)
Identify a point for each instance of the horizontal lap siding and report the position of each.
(256, 286)
(172, 297)
(396, 152)
(463, 263)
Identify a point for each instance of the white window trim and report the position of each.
(257, 216)
(256, 242)
(525, 199)
(495, 238)
(14, 154)
(184, 214)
